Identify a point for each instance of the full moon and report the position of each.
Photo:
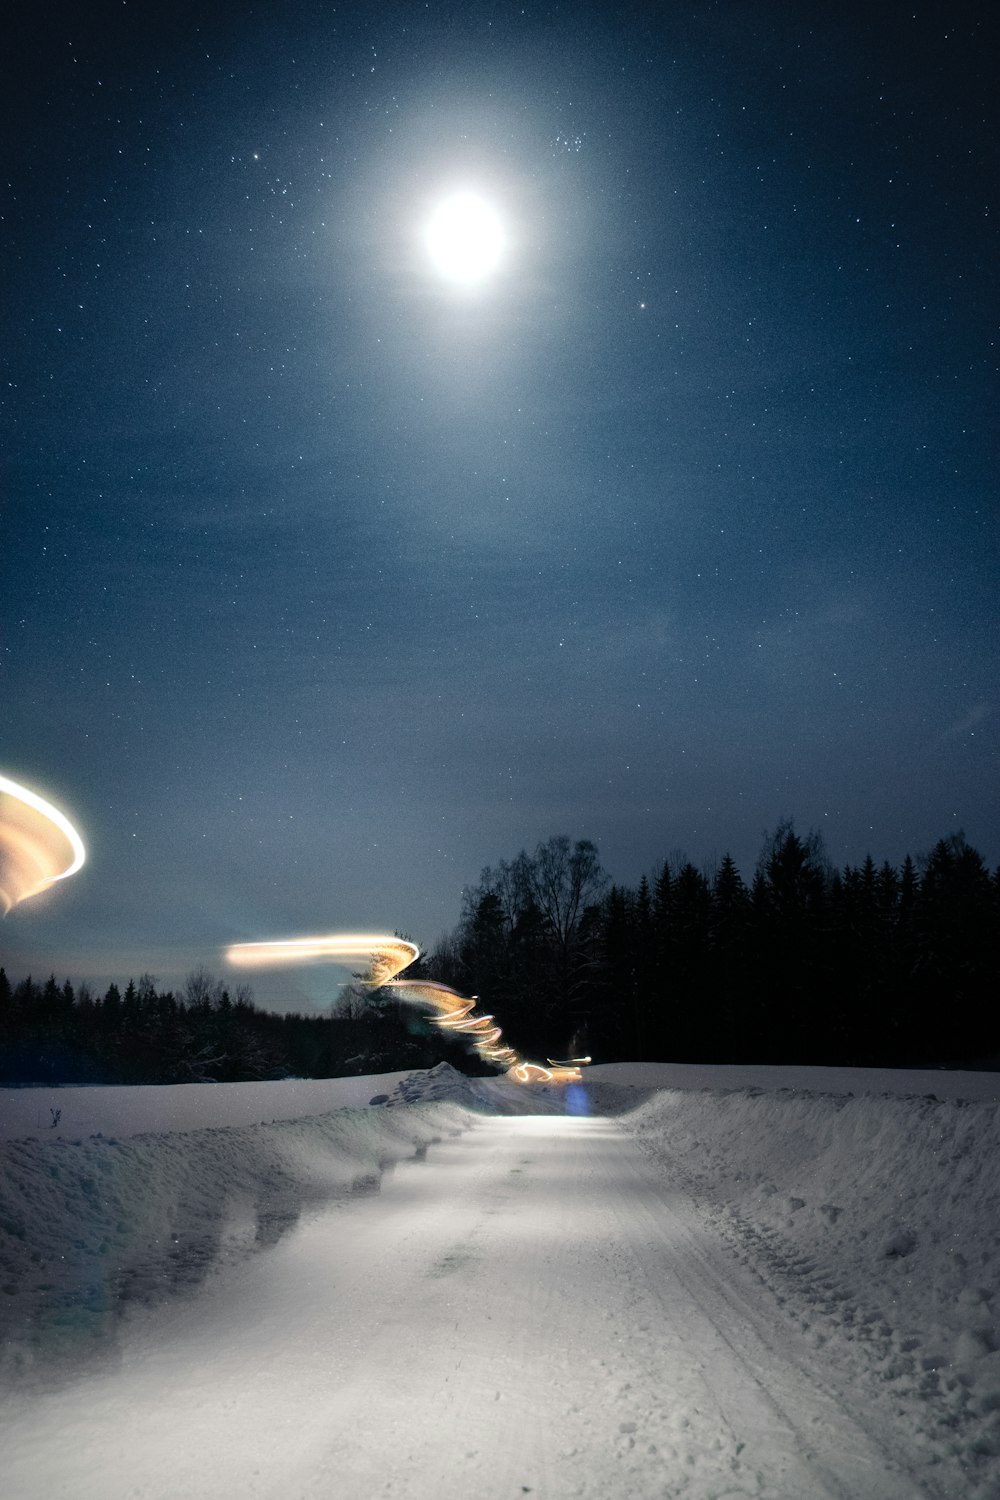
(465, 238)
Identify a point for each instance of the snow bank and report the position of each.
(92, 1226)
(126, 1111)
(944, 1082)
(71, 1113)
(874, 1220)
(868, 1202)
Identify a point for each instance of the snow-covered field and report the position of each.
(709, 1282)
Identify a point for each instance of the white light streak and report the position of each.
(385, 957)
(38, 844)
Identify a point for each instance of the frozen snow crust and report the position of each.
(91, 1227)
(875, 1222)
(870, 1218)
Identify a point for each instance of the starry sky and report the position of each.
(325, 583)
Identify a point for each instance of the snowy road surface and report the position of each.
(533, 1309)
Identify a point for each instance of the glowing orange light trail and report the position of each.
(388, 956)
(38, 844)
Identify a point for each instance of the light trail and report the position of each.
(38, 844)
(387, 957)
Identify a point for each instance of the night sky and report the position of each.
(326, 581)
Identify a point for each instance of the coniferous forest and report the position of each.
(865, 966)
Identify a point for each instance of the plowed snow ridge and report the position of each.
(775, 1292)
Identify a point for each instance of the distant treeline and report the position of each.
(51, 1033)
(867, 965)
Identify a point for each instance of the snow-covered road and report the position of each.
(534, 1308)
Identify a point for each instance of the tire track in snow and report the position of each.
(843, 1451)
(525, 1312)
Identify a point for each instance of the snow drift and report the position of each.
(872, 1218)
(92, 1227)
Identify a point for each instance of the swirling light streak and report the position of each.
(387, 957)
(38, 844)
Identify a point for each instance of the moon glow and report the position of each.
(465, 239)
